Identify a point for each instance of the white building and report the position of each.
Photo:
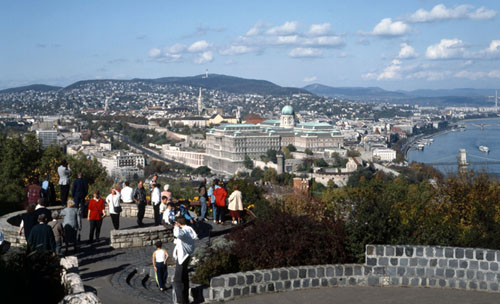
(47, 137)
(188, 158)
(385, 155)
(124, 166)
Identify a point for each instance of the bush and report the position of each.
(31, 276)
(295, 240)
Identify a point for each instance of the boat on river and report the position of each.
(484, 149)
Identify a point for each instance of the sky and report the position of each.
(395, 45)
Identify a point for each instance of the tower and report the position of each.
(200, 103)
(287, 119)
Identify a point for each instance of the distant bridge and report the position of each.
(486, 125)
(463, 162)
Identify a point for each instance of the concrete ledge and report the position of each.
(140, 237)
(73, 284)
(386, 265)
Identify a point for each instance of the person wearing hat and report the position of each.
(41, 237)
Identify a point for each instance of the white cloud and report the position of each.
(176, 48)
(256, 29)
(388, 28)
(369, 76)
(477, 75)
(305, 53)
(167, 54)
(287, 39)
(446, 49)
(310, 79)
(407, 52)
(288, 28)
(492, 51)
(198, 46)
(236, 50)
(441, 13)
(429, 75)
(154, 52)
(391, 72)
(324, 41)
(204, 57)
(319, 29)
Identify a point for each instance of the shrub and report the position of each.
(31, 276)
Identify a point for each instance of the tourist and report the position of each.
(184, 248)
(235, 205)
(203, 198)
(41, 208)
(160, 257)
(220, 200)
(169, 215)
(28, 220)
(95, 215)
(41, 237)
(139, 197)
(70, 225)
(163, 205)
(155, 201)
(152, 182)
(58, 231)
(113, 201)
(184, 212)
(64, 171)
(127, 193)
(167, 193)
(79, 190)
(48, 192)
(211, 196)
(34, 191)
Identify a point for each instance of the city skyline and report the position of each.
(419, 44)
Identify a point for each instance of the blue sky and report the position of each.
(390, 44)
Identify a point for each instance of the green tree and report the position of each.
(270, 175)
(308, 151)
(291, 148)
(203, 171)
(248, 163)
(320, 163)
(271, 156)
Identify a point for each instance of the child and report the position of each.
(160, 257)
(169, 215)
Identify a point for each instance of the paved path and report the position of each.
(373, 295)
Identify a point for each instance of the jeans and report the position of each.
(115, 218)
(203, 202)
(161, 274)
(141, 209)
(214, 211)
(181, 282)
(95, 227)
(156, 209)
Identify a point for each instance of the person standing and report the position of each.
(152, 182)
(156, 201)
(34, 191)
(64, 171)
(220, 200)
(203, 197)
(184, 248)
(160, 257)
(48, 191)
(126, 193)
(113, 201)
(41, 237)
(79, 191)
(58, 231)
(41, 208)
(235, 205)
(70, 225)
(139, 197)
(95, 215)
(28, 220)
(167, 193)
(211, 195)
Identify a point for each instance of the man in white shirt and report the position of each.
(64, 171)
(184, 248)
(126, 194)
(155, 201)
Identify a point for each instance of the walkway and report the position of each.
(373, 295)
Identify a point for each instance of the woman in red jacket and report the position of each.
(95, 216)
(220, 200)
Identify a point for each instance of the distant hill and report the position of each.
(225, 83)
(347, 92)
(451, 92)
(33, 87)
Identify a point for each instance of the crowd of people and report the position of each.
(45, 231)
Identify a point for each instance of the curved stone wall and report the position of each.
(139, 237)
(385, 265)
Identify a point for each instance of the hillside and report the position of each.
(369, 92)
(33, 87)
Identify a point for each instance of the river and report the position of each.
(445, 147)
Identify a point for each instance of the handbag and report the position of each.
(118, 209)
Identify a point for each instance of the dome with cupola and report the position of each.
(287, 110)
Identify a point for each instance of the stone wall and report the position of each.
(140, 237)
(130, 210)
(73, 284)
(385, 265)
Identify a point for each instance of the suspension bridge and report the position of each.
(462, 160)
(483, 125)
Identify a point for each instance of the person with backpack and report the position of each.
(203, 197)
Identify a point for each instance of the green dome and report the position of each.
(287, 110)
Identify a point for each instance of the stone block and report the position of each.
(275, 275)
(391, 271)
(469, 253)
(470, 274)
(395, 281)
(81, 298)
(452, 283)
(473, 265)
(237, 292)
(429, 272)
(399, 251)
(448, 253)
(333, 282)
(420, 272)
(367, 270)
(439, 272)
(352, 282)
(302, 273)
(339, 271)
(409, 251)
(480, 275)
(422, 262)
(73, 284)
(217, 282)
(267, 277)
(403, 262)
(371, 261)
(414, 282)
(293, 273)
(462, 284)
(305, 283)
(432, 282)
(288, 284)
(262, 288)
(463, 264)
(315, 283)
(249, 279)
(240, 279)
(490, 276)
(410, 271)
(296, 284)
(405, 281)
(349, 271)
(279, 286)
(479, 254)
(484, 265)
(472, 285)
(460, 273)
(311, 272)
(227, 293)
(231, 281)
(439, 252)
(413, 262)
(341, 281)
(494, 266)
(393, 261)
(401, 271)
(419, 252)
(483, 285)
(283, 274)
(379, 250)
(442, 283)
(494, 286)
(429, 252)
(373, 281)
(449, 273)
(459, 253)
(370, 250)
(443, 263)
(453, 263)
(320, 271)
(330, 272)
(379, 270)
(389, 251)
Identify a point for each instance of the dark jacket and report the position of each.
(29, 222)
(42, 238)
(80, 188)
(43, 210)
(139, 195)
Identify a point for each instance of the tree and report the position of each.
(271, 156)
(320, 163)
(353, 153)
(287, 153)
(308, 151)
(248, 163)
(203, 171)
(291, 148)
(270, 175)
(257, 173)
